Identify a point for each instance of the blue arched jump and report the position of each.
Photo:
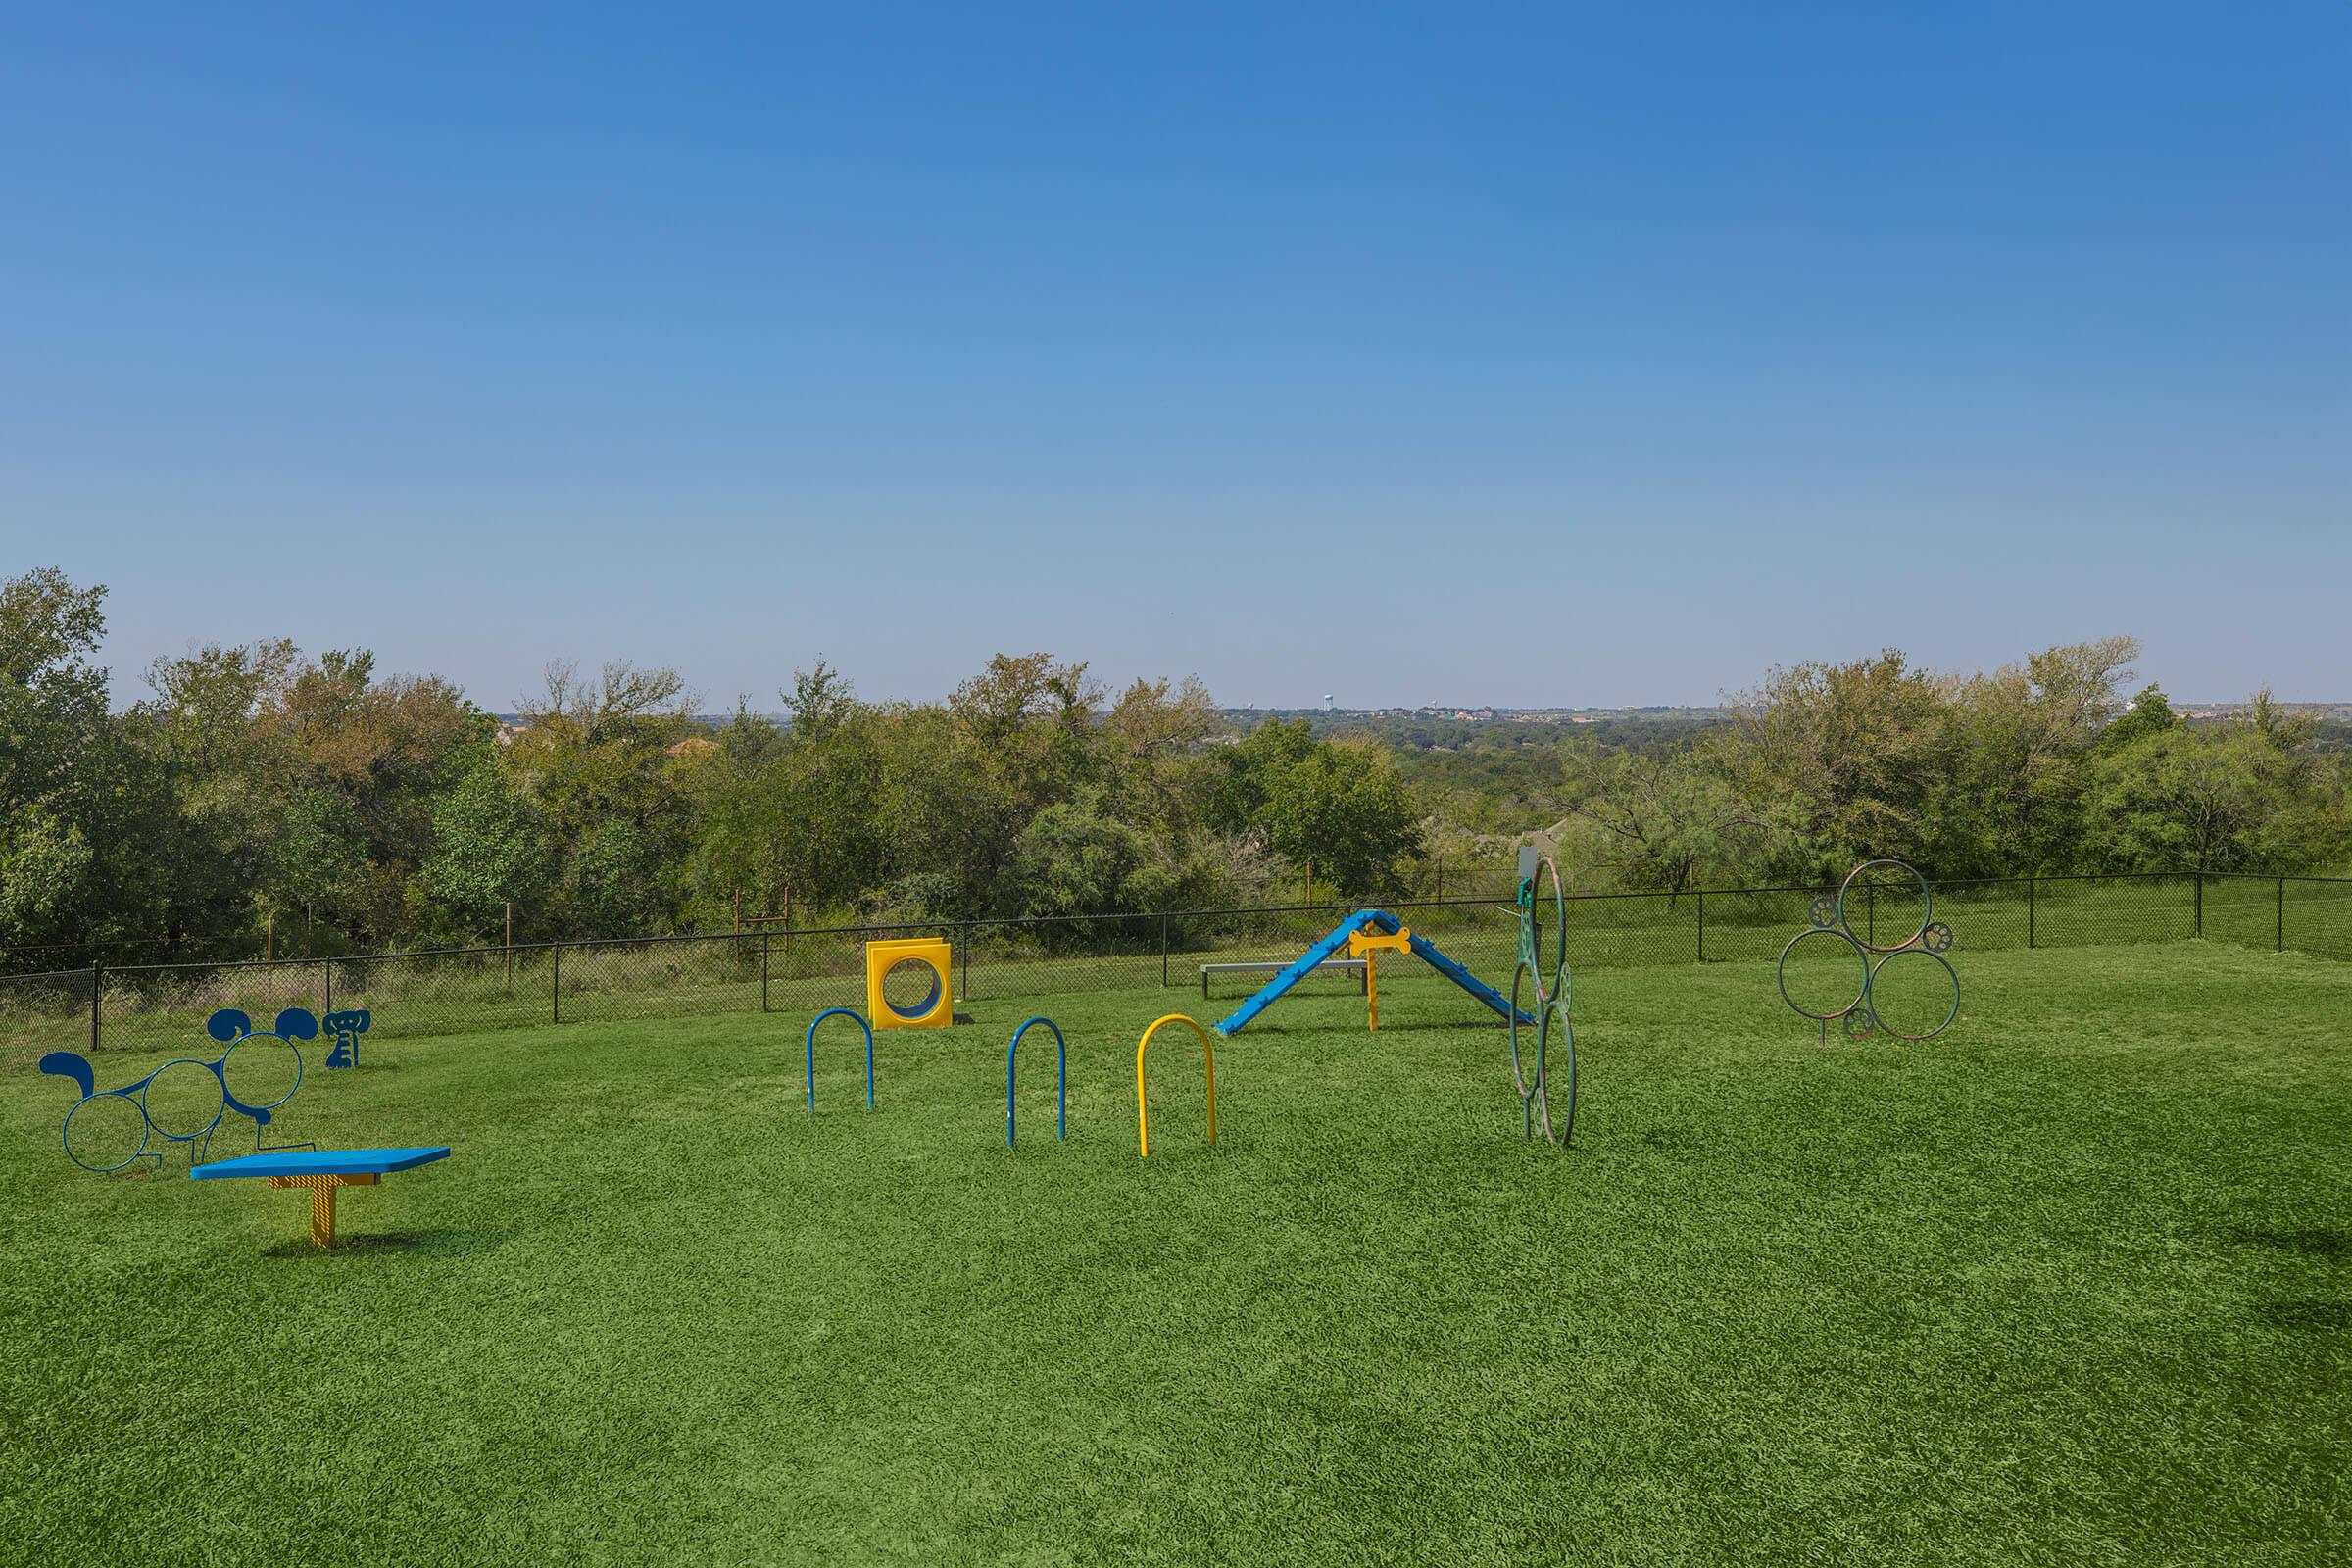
(1062, 1078)
(846, 1012)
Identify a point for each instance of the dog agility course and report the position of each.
(2067, 1283)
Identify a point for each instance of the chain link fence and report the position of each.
(156, 1006)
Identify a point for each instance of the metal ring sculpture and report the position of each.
(1208, 1057)
(1062, 1078)
(844, 1012)
(1830, 918)
(1551, 1003)
(230, 1027)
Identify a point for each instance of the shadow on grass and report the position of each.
(2308, 1317)
(2327, 1241)
(419, 1243)
(1422, 1027)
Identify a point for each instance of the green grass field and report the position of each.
(2071, 1284)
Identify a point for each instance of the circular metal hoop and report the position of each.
(1535, 1087)
(1568, 1048)
(1551, 1000)
(220, 1100)
(220, 1071)
(1862, 959)
(1927, 906)
(1518, 1071)
(1933, 958)
(146, 1130)
(1535, 1101)
(1822, 913)
(1531, 932)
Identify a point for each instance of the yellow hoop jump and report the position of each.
(1208, 1057)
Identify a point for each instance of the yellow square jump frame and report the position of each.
(935, 1009)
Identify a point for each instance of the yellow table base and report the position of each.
(322, 1199)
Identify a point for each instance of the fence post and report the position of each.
(2283, 914)
(1163, 949)
(963, 959)
(1702, 925)
(555, 989)
(329, 968)
(2029, 881)
(97, 981)
(2200, 905)
(763, 969)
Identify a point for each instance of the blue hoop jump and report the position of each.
(845, 1012)
(1061, 1079)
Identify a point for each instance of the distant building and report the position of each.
(693, 745)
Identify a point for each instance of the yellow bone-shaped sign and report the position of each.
(1360, 943)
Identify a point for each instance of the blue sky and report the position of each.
(1515, 354)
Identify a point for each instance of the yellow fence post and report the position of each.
(1208, 1058)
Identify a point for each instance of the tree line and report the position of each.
(2039, 767)
(258, 789)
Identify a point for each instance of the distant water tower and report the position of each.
(1327, 701)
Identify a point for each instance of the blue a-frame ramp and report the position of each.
(1389, 925)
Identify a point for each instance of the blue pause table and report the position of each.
(323, 1172)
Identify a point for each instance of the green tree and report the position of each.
(227, 777)
(601, 758)
(491, 848)
(2150, 714)
(65, 774)
(1849, 754)
(1345, 810)
(1243, 784)
(796, 813)
(1663, 820)
(1072, 859)
(2008, 794)
(2249, 796)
